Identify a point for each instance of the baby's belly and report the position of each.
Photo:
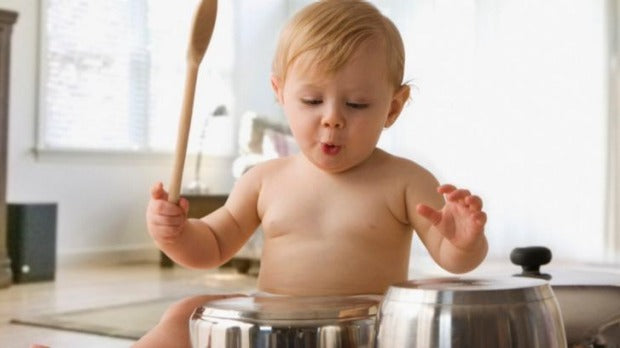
(293, 266)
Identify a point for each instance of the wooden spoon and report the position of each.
(202, 28)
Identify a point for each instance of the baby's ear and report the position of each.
(276, 85)
(398, 102)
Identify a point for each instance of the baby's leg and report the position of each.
(173, 327)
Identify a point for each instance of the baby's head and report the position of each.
(331, 31)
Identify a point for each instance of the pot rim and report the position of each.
(289, 309)
(465, 291)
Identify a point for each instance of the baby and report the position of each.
(339, 217)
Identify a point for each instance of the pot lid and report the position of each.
(532, 258)
(469, 291)
(274, 308)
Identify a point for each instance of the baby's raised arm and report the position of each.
(453, 232)
(212, 240)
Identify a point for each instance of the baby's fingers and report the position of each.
(168, 221)
(158, 192)
(474, 203)
(458, 195)
(184, 204)
(480, 218)
(165, 208)
(446, 189)
(429, 213)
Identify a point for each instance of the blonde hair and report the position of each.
(332, 30)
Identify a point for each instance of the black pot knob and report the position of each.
(530, 259)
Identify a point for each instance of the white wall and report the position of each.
(257, 28)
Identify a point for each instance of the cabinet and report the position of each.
(7, 19)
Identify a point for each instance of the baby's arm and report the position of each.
(453, 232)
(212, 240)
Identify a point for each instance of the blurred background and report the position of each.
(515, 99)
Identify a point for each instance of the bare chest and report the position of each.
(333, 212)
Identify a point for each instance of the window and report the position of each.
(112, 73)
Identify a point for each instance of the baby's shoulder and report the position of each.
(261, 175)
(413, 180)
(404, 168)
(269, 168)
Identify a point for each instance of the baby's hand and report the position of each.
(165, 220)
(461, 220)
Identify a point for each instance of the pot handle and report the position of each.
(530, 259)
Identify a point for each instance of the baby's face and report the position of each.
(337, 118)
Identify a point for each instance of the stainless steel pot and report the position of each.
(589, 297)
(461, 312)
(266, 322)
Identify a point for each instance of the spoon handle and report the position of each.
(183, 134)
(202, 28)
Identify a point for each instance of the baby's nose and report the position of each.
(333, 119)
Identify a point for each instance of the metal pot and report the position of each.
(280, 321)
(589, 297)
(461, 312)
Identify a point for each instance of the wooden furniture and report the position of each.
(199, 206)
(7, 19)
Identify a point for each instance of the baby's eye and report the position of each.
(357, 105)
(311, 101)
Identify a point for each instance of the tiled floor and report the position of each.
(88, 287)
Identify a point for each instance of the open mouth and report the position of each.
(330, 149)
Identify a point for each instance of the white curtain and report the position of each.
(510, 100)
